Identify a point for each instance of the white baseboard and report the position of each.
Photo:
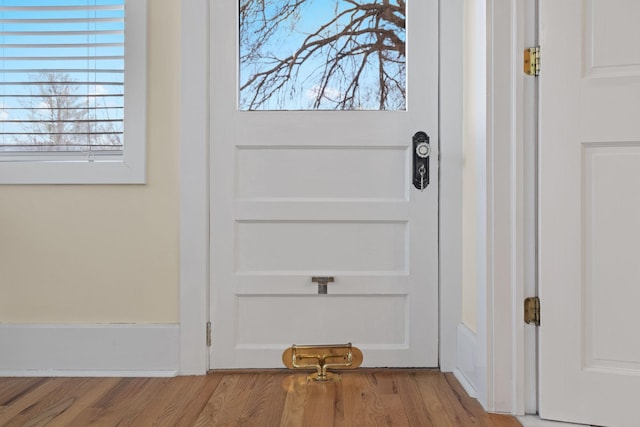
(466, 371)
(535, 421)
(89, 349)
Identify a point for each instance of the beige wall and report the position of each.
(474, 140)
(89, 254)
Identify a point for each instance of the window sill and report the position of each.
(68, 171)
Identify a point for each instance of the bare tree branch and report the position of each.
(59, 117)
(356, 59)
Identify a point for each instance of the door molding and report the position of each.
(499, 282)
(194, 188)
(503, 341)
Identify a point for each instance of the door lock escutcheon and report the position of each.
(421, 152)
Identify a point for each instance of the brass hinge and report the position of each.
(532, 61)
(532, 311)
(208, 334)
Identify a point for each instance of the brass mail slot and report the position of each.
(321, 357)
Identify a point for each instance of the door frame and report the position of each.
(195, 198)
(503, 370)
(501, 289)
(501, 376)
(506, 370)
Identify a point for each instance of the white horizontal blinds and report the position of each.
(62, 76)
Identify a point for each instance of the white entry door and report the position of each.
(297, 194)
(590, 211)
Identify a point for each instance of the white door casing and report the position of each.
(589, 210)
(300, 194)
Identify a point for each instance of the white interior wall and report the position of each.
(473, 191)
(103, 253)
(474, 137)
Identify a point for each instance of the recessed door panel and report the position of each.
(334, 319)
(611, 269)
(329, 172)
(329, 246)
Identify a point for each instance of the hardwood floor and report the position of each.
(246, 398)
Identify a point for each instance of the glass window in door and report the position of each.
(322, 55)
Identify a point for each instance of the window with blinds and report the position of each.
(62, 77)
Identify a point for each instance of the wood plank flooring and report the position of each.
(246, 398)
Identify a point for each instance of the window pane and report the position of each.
(61, 76)
(322, 55)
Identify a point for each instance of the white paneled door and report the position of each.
(590, 211)
(314, 177)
